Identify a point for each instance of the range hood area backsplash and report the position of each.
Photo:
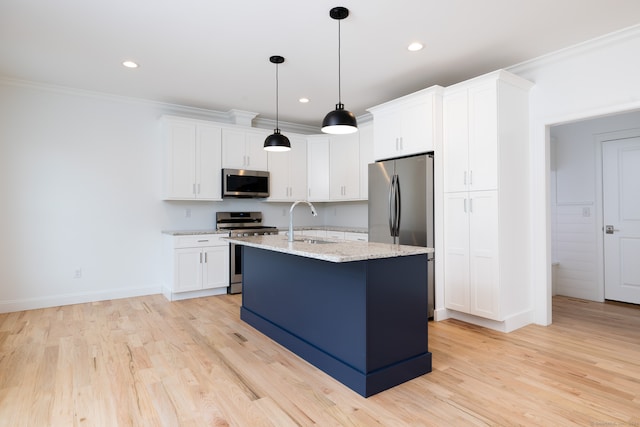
(188, 215)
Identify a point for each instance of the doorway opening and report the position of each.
(577, 202)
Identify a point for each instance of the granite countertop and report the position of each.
(336, 251)
(192, 232)
(328, 228)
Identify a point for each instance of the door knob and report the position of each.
(609, 229)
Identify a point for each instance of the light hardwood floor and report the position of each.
(149, 362)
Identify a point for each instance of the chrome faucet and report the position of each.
(313, 212)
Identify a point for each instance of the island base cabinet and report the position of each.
(360, 322)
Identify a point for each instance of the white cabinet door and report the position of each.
(470, 138)
(279, 175)
(385, 130)
(483, 137)
(456, 251)
(298, 169)
(254, 148)
(344, 171)
(208, 162)
(417, 128)
(455, 143)
(233, 150)
(484, 280)
(318, 168)
(215, 268)
(180, 174)
(188, 269)
(244, 149)
(288, 172)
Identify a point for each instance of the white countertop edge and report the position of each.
(337, 251)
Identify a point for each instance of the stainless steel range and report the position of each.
(240, 224)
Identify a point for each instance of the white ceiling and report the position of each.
(215, 54)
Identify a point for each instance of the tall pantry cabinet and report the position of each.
(486, 188)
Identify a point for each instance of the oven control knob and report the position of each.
(256, 234)
(246, 234)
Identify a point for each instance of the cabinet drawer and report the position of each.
(200, 240)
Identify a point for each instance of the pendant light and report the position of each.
(277, 141)
(339, 121)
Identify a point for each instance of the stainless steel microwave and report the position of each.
(245, 183)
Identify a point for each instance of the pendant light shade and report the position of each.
(339, 121)
(277, 141)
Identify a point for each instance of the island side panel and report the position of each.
(396, 310)
(323, 303)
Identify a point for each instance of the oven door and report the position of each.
(235, 268)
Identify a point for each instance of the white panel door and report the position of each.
(456, 251)
(621, 193)
(188, 269)
(215, 267)
(483, 137)
(484, 278)
(208, 164)
(455, 143)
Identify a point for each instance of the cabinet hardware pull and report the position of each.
(194, 188)
(470, 177)
(202, 241)
(465, 205)
(205, 257)
(465, 178)
(198, 188)
(470, 205)
(200, 257)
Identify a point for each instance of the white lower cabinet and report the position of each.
(471, 254)
(197, 265)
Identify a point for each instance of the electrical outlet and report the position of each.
(586, 212)
(78, 274)
(187, 213)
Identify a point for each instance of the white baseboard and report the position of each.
(177, 296)
(508, 325)
(75, 298)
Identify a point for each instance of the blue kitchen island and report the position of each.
(356, 310)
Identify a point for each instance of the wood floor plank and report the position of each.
(150, 362)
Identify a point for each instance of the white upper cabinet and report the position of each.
(192, 159)
(408, 125)
(288, 172)
(344, 167)
(244, 149)
(318, 168)
(483, 124)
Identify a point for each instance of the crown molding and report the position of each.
(577, 49)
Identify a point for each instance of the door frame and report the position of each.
(600, 139)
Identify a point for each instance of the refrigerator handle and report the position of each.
(392, 220)
(398, 207)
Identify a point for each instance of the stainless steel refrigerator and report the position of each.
(401, 206)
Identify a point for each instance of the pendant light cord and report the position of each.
(339, 78)
(277, 100)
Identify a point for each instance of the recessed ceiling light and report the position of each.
(303, 100)
(415, 46)
(130, 64)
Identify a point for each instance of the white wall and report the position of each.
(596, 78)
(80, 189)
